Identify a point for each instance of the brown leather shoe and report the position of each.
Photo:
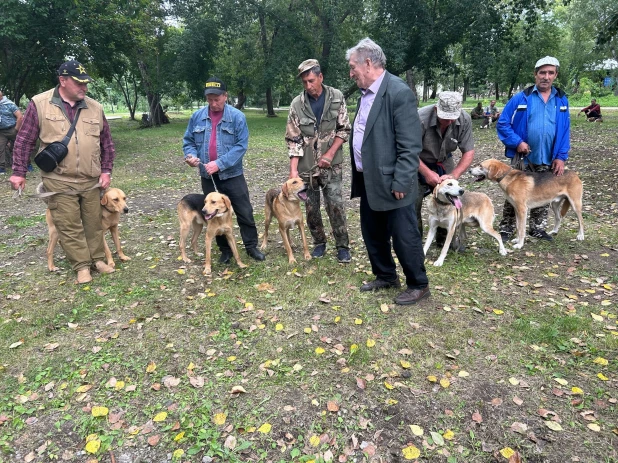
(380, 284)
(102, 267)
(412, 296)
(83, 276)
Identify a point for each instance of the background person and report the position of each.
(314, 147)
(76, 216)
(536, 138)
(592, 112)
(385, 146)
(477, 112)
(445, 127)
(10, 122)
(216, 141)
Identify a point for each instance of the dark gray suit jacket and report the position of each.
(391, 147)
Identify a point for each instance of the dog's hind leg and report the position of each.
(556, 207)
(576, 204)
(184, 232)
(197, 229)
(487, 227)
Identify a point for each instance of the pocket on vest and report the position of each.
(92, 127)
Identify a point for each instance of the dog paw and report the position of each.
(518, 245)
(291, 261)
(124, 258)
(307, 256)
(207, 271)
(503, 252)
(241, 265)
(580, 237)
(54, 269)
(186, 260)
(111, 263)
(438, 263)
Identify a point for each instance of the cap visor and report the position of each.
(449, 115)
(85, 80)
(213, 91)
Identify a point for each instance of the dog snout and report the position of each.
(461, 191)
(125, 210)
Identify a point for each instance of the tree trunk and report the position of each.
(241, 99)
(434, 89)
(466, 87)
(497, 91)
(126, 93)
(425, 89)
(410, 82)
(270, 109)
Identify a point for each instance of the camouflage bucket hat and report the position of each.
(449, 105)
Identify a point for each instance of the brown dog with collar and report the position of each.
(214, 211)
(529, 190)
(284, 204)
(114, 202)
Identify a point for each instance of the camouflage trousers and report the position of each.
(330, 186)
(538, 216)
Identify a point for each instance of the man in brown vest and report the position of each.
(81, 175)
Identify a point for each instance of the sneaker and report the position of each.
(2, 170)
(226, 256)
(318, 251)
(343, 256)
(30, 168)
(540, 234)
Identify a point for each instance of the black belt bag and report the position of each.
(53, 154)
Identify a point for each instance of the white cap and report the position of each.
(547, 61)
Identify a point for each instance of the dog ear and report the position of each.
(228, 203)
(285, 190)
(436, 190)
(104, 199)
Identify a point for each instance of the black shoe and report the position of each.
(540, 234)
(380, 284)
(226, 256)
(343, 256)
(318, 251)
(412, 296)
(256, 254)
(505, 237)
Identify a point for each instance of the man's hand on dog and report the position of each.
(523, 147)
(557, 166)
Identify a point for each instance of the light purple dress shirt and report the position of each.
(366, 102)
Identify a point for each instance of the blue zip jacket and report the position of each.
(232, 140)
(512, 126)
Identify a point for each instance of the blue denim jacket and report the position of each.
(232, 140)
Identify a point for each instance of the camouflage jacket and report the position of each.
(307, 141)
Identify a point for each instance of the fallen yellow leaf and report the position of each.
(507, 452)
(314, 440)
(219, 419)
(99, 411)
(178, 454)
(319, 350)
(405, 364)
(278, 327)
(463, 374)
(432, 379)
(371, 342)
(388, 385)
(602, 377)
(448, 435)
(444, 382)
(353, 348)
(600, 361)
(265, 428)
(562, 381)
(577, 391)
(179, 436)
(151, 367)
(416, 430)
(411, 452)
(161, 416)
(358, 321)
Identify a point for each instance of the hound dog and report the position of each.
(529, 190)
(450, 208)
(114, 202)
(284, 204)
(214, 211)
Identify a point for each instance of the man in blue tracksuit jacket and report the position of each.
(535, 125)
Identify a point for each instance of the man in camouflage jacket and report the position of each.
(317, 127)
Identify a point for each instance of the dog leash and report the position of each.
(19, 192)
(211, 177)
(311, 176)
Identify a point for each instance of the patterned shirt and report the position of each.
(29, 134)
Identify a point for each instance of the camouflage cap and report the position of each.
(449, 105)
(306, 65)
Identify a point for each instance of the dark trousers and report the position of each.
(379, 228)
(236, 189)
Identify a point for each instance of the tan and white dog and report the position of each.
(529, 190)
(450, 208)
(284, 204)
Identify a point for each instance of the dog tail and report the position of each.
(565, 207)
(40, 188)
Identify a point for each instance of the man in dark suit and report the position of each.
(385, 145)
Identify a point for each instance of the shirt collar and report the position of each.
(373, 88)
(553, 91)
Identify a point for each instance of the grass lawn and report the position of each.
(511, 356)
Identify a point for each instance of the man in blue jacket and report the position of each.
(535, 129)
(216, 141)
